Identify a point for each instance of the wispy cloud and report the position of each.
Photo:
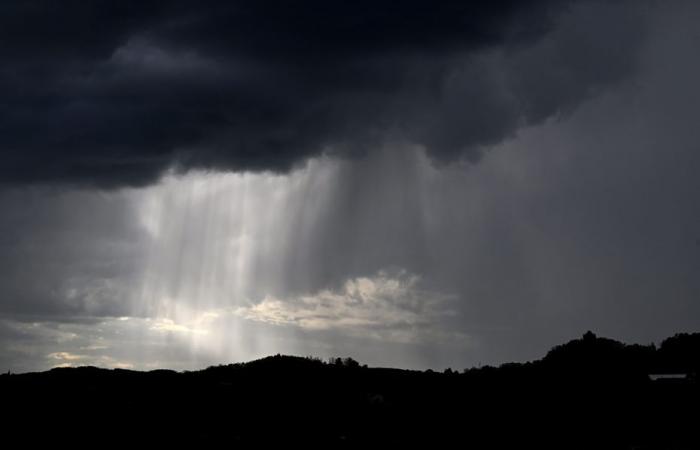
(384, 306)
(66, 356)
(68, 359)
(168, 325)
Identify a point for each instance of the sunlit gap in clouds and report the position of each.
(241, 265)
(218, 242)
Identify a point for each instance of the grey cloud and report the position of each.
(387, 307)
(67, 253)
(110, 95)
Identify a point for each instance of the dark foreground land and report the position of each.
(589, 393)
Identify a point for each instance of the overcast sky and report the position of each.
(425, 184)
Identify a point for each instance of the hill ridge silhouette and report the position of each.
(679, 353)
(590, 392)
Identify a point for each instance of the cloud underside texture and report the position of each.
(112, 94)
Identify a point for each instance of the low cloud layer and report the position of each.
(388, 312)
(384, 307)
(110, 94)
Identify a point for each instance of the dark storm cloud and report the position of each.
(113, 93)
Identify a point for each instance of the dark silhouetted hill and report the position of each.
(588, 393)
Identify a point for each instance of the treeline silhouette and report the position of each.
(588, 393)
